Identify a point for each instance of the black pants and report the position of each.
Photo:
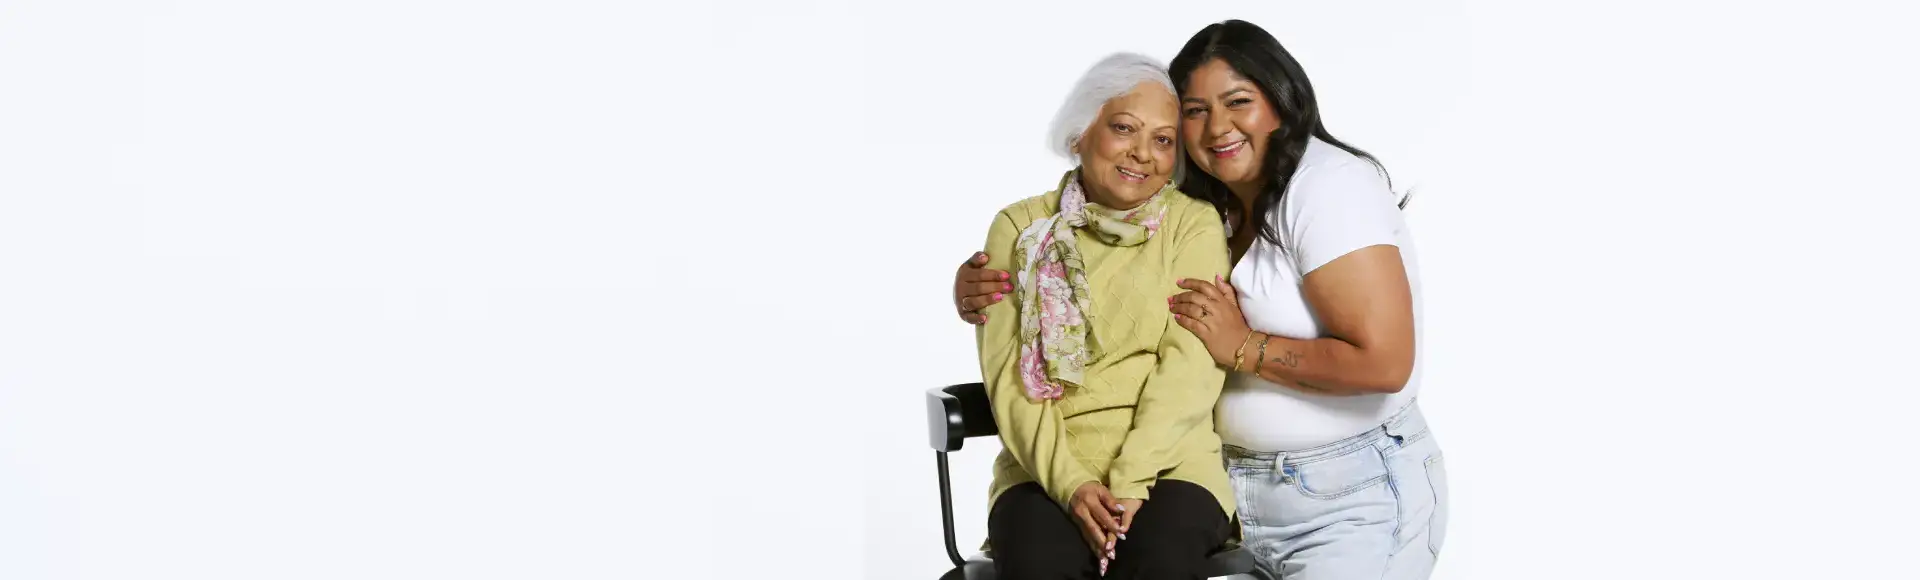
(1033, 539)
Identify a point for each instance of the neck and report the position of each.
(1245, 192)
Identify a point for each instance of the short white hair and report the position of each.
(1111, 77)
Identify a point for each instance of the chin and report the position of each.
(1233, 175)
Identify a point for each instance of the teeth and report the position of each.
(1229, 147)
(1132, 174)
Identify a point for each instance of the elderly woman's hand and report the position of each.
(976, 287)
(1128, 509)
(1212, 313)
(1093, 508)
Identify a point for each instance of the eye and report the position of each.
(1164, 140)
(1239, 101)
(1191, 111)
(1122, 128)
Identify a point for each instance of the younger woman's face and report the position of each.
(1224, 124)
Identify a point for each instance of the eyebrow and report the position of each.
(1137, 119)
(1226, 94)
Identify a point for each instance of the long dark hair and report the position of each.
(1258, 56)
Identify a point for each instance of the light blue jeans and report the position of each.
(1372, 506)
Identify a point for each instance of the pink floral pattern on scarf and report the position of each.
(1056, 343)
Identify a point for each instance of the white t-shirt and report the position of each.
(1335, 204)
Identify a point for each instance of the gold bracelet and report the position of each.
(1240, 355)
(1263, 352)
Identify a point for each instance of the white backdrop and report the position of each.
(568, 289)
(1389, 81)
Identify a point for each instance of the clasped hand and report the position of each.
(1103, 520)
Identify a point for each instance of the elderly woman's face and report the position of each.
(1128, 153)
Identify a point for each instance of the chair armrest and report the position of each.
(957, 412)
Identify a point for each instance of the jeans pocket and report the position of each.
(1338, 476)
(1437, 480)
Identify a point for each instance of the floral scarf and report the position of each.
(1056, 341)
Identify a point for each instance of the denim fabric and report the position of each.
(1371, 506)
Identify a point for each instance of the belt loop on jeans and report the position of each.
(1280, 466)
(1397, 427)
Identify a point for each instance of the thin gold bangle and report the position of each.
(1240, 355)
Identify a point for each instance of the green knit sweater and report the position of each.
(1146, 411)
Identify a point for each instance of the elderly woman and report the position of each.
(1337, 473)
(1103, 401)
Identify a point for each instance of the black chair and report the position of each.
(961, 411)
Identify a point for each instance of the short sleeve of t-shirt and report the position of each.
(1332, 210)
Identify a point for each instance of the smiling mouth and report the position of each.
(1132, 176)
(1229, 150)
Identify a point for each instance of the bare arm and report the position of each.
(1365, 307)
(1341, 230)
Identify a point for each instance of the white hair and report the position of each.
(1111, 77)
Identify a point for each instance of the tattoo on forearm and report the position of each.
(1288, 359)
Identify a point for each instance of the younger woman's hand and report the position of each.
(975, 287)
(1211, 312)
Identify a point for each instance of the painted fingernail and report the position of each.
(1006, 287)
(1123, 536)
(1003, 275)
(996, 296)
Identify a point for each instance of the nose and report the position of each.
(1217, 125)
(1141, 151)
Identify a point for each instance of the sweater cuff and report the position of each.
(1128, 480)
(1064, 495)
(1131, 490)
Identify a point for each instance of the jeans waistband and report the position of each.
(1404, 422)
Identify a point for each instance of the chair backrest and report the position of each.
(957, 412)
